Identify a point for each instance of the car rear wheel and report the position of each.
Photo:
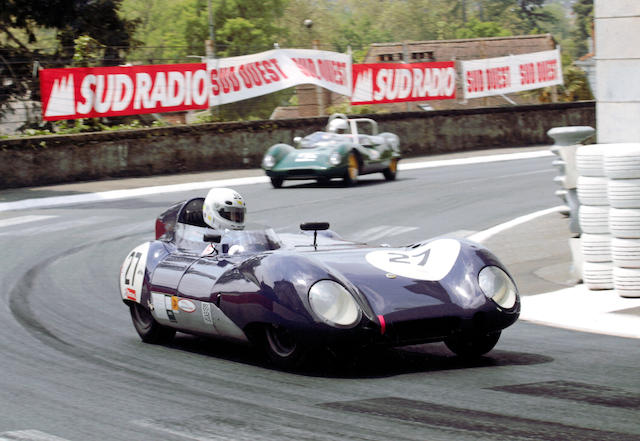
(472, 345)
(390, 173)
(277, 182)
(148, 329)
(353, 169)
(283, 348)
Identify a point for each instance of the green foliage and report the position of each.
(583, 10)
(481, 29)
(88, 51)
(87, 125)
(348, 109)
(576, 85)
(174, 30)
(26, 27)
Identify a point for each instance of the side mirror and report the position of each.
(212, 237)
(314, 226)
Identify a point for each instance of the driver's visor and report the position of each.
(233, 214)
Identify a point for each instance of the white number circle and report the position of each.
(431, 262)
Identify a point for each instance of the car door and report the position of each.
(374, 152)
(194, 307)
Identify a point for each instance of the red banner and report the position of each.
(130, 90)
(123, 90)
(400, 82)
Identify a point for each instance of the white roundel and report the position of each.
(132, 273)
(431, 261)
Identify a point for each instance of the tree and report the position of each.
(532, 13)
(22, 22)
(481, 29)
(584, 22)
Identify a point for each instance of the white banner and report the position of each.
(515, 73)
(249, 76)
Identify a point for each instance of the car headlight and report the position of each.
(333, 303)
(335, 158)
(268, 161)
(498, 286)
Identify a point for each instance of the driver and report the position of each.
(224, 209)
(338, 126)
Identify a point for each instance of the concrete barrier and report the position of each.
(46, 160)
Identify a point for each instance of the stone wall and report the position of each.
(47, 160)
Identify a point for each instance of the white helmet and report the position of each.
(338, 125)
(224, 208)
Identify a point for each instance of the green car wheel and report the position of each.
(277, 182)
(353, 170)
(391, 172)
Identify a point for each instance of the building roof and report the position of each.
(462, 49)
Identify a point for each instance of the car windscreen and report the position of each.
(318, 138)
(250, 241)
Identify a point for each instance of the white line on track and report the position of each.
(146, 191)
(488, 233)
(475, 160)
(22, 220)
(28, 435)
(58, 226)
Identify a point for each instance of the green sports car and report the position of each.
(346, 149)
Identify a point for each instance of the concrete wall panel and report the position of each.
(618, 122)
(618, 80)
(617, 38)
(616, 8)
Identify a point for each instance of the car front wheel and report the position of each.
(472, 345)
(282, 347)
(277, 182)
(148, 329)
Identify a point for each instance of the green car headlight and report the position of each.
(498, 286)
(268, 161)
(335, 158)
(333, 303)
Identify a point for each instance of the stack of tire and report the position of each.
(566, 142)
(597, 266)
(622, 167)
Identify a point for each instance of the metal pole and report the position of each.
(211, 33)
(405, 59)
(210, 51)
(319, 91)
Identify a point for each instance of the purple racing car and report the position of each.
(292, 293)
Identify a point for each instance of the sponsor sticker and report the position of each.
(431, 261)
(306, 157)
(132, 272)
(206, 313)
(186, 305)
(210, 249)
